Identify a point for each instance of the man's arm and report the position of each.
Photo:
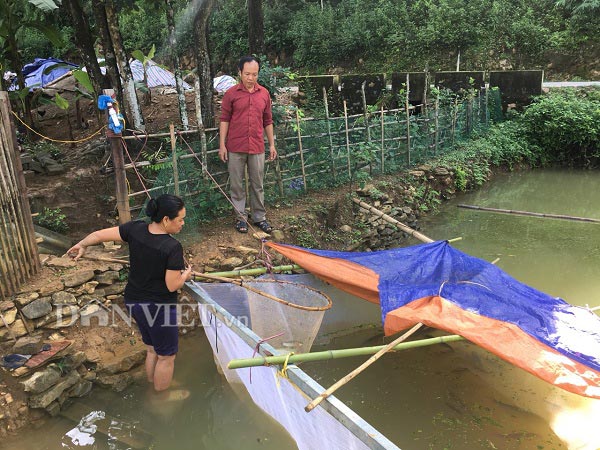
(271, 140)
(223, 130)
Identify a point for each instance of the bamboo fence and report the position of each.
(19, 258)
(316, 152)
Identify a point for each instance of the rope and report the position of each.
(283, 372)
(57, 140)
(135, 169)
(191, 150)
(257, 348)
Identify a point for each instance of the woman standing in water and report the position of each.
(157, 271)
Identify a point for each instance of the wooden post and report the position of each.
(382, 141)
(331, 154)
(279, 179)
(200, 121)
(174, 156)
(300, 149)
(407, 107)
(365, 111)
(437, 131)
(120, 174)
(347, 139)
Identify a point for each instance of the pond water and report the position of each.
(442, 397)
(459, 396)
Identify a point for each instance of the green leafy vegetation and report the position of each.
(53, 219)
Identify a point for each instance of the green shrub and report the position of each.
(53, 219)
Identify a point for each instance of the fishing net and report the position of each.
(286, 315)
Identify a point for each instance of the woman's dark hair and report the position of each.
(165, 205)
(246, 59)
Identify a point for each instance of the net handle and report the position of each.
(269, 296)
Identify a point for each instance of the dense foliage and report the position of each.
(561, 128)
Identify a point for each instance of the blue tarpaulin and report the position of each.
(42, 71)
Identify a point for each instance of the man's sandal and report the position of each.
(264, 226)
(241, 226)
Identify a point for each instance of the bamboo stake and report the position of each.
(382, 141)
(527, 213)
(437, 128)
(301, 151)
(325, 355)
(347, 139)
(278, 174)
(361, 368)
(264, 294)
(331, 156)
(174, 157)
(200, 122)
(257, 271)
(407, 107)
(365, 111)
(393, 221)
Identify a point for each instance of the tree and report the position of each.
(85, 44)
(176, 65)
(203, 61)
(256, 29)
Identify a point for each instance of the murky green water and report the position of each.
(459, 396)
(442, 397)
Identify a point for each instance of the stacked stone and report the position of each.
(75, 296)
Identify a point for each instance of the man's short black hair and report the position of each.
(247, 59)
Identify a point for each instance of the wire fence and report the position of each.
(313, 152)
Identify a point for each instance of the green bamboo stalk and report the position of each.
(335, 354)
(257, 271)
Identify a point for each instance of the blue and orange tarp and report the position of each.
(447, 289)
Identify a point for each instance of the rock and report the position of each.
(416, 173)
(124, 363)
(18, 329)
(89, 309)
(24, 299)
(233, 262)
(38, 308)
(246, 250)
(114, 289)
(278, 235)
(77, 278)
(116, 382)
(107, 277)
(53, 409)
(44, 399)
(73, 361)
(260, 235)
(61, 317)
(42, 380)
(85, 288)
(346, 229)
(5, 305)
(64, 263)
(51, 287)
(441, 172)
(63, 298)
(406, 210)
(80, 389)
(28, 345)
(9, 317)
(115, 266)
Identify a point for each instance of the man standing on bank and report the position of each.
(245, 113)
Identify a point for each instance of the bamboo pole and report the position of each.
(437, 125)
(174, 158)
(347, 139)
(365, 111)
(331, 155)
(393, 221)
(278, 175)
(159, 135)
(200, 122)
(407, 107)
(361, 368)
(301, 151)
(256, 271)
(382, 141)
(265, 294)
(336, 354)
(527, 213)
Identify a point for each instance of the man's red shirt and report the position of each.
(248, 113)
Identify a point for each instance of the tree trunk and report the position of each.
(256, 30)
(203, 62)
(112, 69)
(131, 100)
(175, 62)
(85, 45)
(15, 59)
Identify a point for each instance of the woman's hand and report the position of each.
(77, 251)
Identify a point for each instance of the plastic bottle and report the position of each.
(113, 115)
